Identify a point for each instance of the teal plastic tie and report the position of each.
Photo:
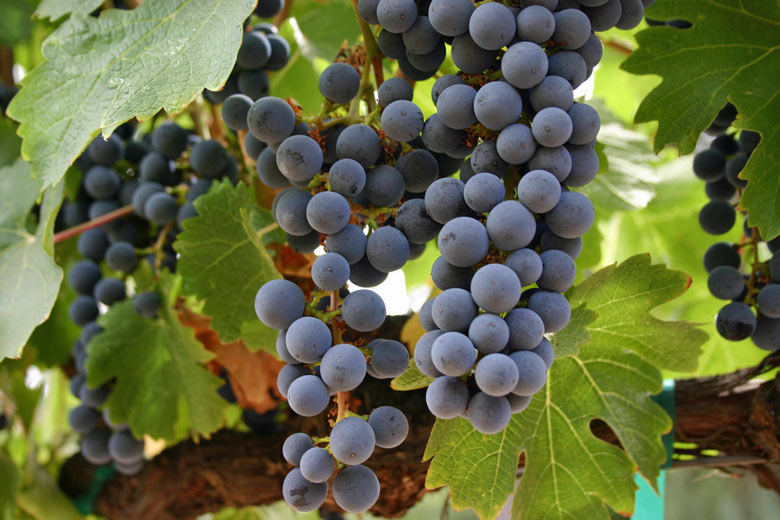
(85, 504)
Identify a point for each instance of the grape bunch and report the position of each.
(155, 179)
(736, 272)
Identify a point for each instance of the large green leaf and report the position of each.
(224, 262)
(161, 387)
(10, 144)
(569, 472)
(29, 277)
(732, 53)
(56, 9)
(101, 72)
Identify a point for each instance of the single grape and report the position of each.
(554, 160)
(270, 119)
(395, 89)
(497, 104)
(572, 217)
(767, 333)
(356, 489)
(83, 276)
(396, 16)
(453, 310)
(585, 122)
(570, 246)
(124, 448)
(719, 254)
(422, 353)
(450, 17)
(419, 170)
(94, 447)
(510, 225)
(389, 358)
(402, 120)
(363, 310)
(725, 282)
(591, 52)
(352, 440)
(105, 151)
(308, 339)
(496, 374)
(290, 212)
(456, 106)
(102, 183)
(350, 243)
(387, 249)
(439, 137)
(545, 351)
(568, 65)
(447, 397)
(539, 191)
(280, 52)
(109, 291)
(768, 301)
(442, 83)
(268, 9)
(301, 494)
(551, 127)
(495, 288)
(483, 192)
(391, 44)
(489, 333)
(485, 158)
(524, 65)
(363, 274)
(605, 15)
(532, 372)
(552, 307)
(254, 83)
(717, 217)
(83, 419)
(339, 82)
(384, 186)
(421, 38)
(518, 403)
(492, 26)
(526, 264)
(584, 165)
(426, 318)
(536, 24)
(735, 321)
(209, 158)
(299, 158)
(489, 414)
(343, 368)
(444, 200)
(470, 57)
(308, 396)
(709, 165)
(120, 256)
(558, 271)
(526, 329)
(367, 11)
(317, 465)
(720, 189)
(170, 140)
(453, 354)
(515, 144)
(255, 50)
(142, 194)
(572, 29)
(390, 426)
(330, 271)
(359, 142)
(161, 208)
(463, 241)
(279, 303)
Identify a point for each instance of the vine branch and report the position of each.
(102, 220)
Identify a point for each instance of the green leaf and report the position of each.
(101, 72)
(56, 9)
(569, 472)
(29, 277)
(15, 24)
(161, 386)
(412, 379)
(732, 53)
(42, 499)
(568, 341)
(316, 20)
(223, 261)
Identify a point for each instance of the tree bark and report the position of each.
(729, 414)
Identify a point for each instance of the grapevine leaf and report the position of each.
(412, 379)
(56, 9)
(101, 72)
(161, 387)
(10, 144)
(568, 341)
(223, 261)
(732, 53)
(569, 472)
(29, 277)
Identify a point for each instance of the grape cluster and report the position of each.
(752, 285)
(511, 220)
(141, 175)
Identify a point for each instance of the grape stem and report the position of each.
(158, 246)
(373, 54)
(97, 222)
(267, 229)
(341, 397)
(754, 268)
